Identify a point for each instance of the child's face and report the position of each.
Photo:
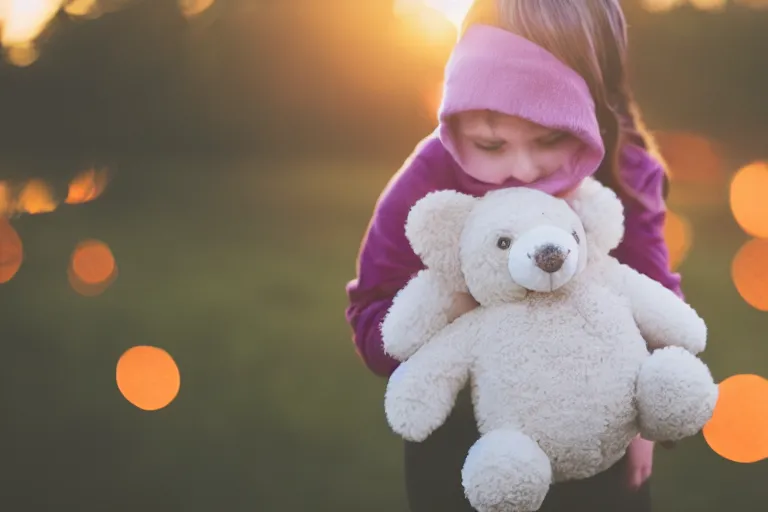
(495, 147)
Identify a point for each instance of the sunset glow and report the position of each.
(433, 18)
(453, 10)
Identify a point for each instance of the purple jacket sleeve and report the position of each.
(386, 263)
(644, 247)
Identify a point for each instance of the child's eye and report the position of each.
(552, 138)
(490, 146)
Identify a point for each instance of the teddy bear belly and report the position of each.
(574, 394)
(580, 433)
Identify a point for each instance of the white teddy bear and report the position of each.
(558, 350)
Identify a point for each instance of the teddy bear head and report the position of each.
(512, 241)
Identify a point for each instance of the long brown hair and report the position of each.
(589, 36)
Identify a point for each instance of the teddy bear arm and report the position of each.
(422, 391)
(664, 319)
(419, 311)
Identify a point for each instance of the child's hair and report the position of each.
(589, 36)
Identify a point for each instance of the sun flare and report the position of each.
(453, 11)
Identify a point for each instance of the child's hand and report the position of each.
(639, 462)
(462, 303)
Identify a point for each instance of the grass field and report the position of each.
(238, 270)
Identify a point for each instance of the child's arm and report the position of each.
(384, 268)
(386, 264)
(365, 319)
(644, 247)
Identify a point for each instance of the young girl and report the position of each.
(535, 95)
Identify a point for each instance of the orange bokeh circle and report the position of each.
(92, 262)
(90, 289)
(690, 157)
(678, 236)
(749, 271)
(11, 251)
(738, 430)
(148, 377)
(749, 199)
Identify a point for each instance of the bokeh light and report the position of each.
(36, 196)
(192, 8)
(661, 5)
(83, 8)
(690, 157)
(87, 186)
(6, 199)
(148, 377)
(748, 193)
(93, 262)
(738, 430)
(697, 172)
(22, 22)
(668, 5)
(678, 235)
(92, 268)
(749, 271)
(709, 5)
(11, 251)
(22, 55)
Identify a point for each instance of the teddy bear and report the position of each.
(570, 354)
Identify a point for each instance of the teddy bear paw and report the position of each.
(676, 395)
(413, 409)
(506, 471)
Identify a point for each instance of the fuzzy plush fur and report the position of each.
(562, 377)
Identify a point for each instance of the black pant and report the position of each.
(433, 475)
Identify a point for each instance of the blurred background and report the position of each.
(183, 190)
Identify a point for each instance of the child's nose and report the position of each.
(523, 168)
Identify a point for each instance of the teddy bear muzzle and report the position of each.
(543, 259)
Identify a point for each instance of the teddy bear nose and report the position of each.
(550, 258)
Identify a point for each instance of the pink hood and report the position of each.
(493, 69)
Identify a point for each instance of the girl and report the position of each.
(535, 95)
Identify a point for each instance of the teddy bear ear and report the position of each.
(601, 213)
(434, 227)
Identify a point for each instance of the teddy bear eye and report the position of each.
(576, 237)
(504, 242)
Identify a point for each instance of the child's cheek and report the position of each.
(489, 167)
